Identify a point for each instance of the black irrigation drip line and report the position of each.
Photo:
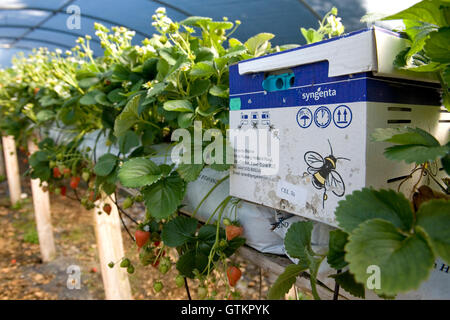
(307, 6)
(186, 286)
(336, 288)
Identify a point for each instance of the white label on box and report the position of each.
(292, 193)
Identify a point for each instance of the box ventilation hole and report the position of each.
(403, 109)
(396, 121)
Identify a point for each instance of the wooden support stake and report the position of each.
(41, 203)
(12, 168)
(2, 163)
(110, 249)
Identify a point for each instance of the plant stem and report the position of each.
(186, 286)
(209, 192)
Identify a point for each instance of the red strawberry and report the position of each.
(141, 237)
(56, 172)
(233, 232)
(36, 90)
(155, 265)
(107, 208)
(158, 254)
(63, 191)
(233, 275)
(66, 171)
(156, 243)
(92, 196)
(74, 181)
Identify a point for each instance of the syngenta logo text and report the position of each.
(318, 94)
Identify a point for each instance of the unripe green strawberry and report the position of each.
(223, 244)
(125, 263)
(128, 202)
(163, 268)
(158, 286)
(85, 175)
(111, 264)
(202, 292)
(130, 269)
(58, 191)
(146, 256)
(227, 222)
(179, 281)
(138, 198)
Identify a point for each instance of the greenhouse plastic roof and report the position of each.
(27, 24)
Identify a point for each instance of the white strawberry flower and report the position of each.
(336, 25)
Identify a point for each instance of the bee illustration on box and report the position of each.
(324, 174)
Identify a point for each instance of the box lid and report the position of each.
(366, 50)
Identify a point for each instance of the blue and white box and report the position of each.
(324, 101)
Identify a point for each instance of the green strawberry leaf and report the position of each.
(178, 105)
(256, 45)
(86, 83)
(433, 218)
(128, 117)
(203, 69)
(45, 115)
(163, 197)
(105, 164)
(367, 204)
(185, 119)
(139, 172)
(195, 21)
(405, 136)
(189, 172)
(298, 242)
(404, 261)
(415, 154)
(437, 46)
(285, 281)
(336, 252)
(128, 141)
(425, 11)
(178, 231)
(311, 35)
(219, 91)
(347, 282)
(156, 89)
(199, 87)
(191, 260)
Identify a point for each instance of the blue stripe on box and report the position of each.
(312, 86)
